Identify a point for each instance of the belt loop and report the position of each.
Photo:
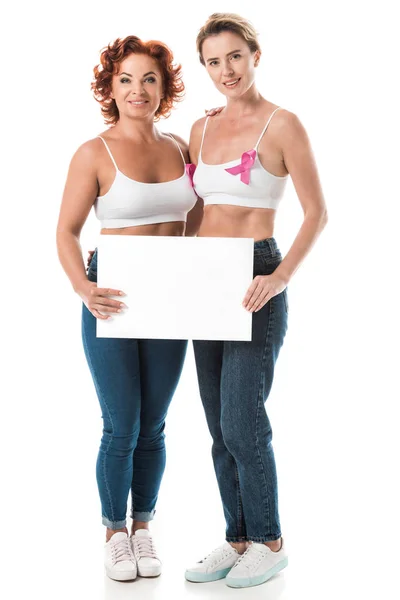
(272, 246)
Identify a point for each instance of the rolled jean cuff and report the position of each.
(113, 524)
(264, 538)
(253, 538)
(143, 516)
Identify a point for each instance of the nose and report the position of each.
(136, 87)
(227, 69)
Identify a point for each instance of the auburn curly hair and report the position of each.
(110, 58)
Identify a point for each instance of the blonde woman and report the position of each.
(244, 156)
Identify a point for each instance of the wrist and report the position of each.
(80, 286)
(283, 274)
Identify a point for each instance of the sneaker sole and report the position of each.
(248, 582)
(154, 572)
(205, 577)
(128, 576)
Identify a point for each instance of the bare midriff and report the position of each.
(174, 228)
(225, 220)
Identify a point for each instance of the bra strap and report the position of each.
(109, 152)
(179, 148)
(202, 139)
(266, 127)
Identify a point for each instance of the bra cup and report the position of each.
(216, 186)
(145, 202)
(246, 184)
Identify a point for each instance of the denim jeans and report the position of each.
(135, 381)
(235, 380)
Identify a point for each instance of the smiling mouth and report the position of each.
(137, 102)
(229, 84)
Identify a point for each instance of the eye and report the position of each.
(212, 63)
(150, 79)
(124, 80)
(236, 56)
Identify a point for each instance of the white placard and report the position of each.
(177, 287)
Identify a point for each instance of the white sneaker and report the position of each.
(119, 561)
(258, 564)
(214, 566)
(148, 563)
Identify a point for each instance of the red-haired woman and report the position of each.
(136, 179)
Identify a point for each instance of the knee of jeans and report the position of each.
(151, 430)
(216, 433)
(243, 444)
(218, 446)
(235, 440)
(119, 444)
(151, 442)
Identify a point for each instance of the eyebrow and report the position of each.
(145, 75)
(229, 53)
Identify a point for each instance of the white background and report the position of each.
(334, 403)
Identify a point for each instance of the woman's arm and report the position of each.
(195, 216)
(300, 163)
(297, 155)
(195, 139)
(80, 192)
(79, 195)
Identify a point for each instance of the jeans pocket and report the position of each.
(92, 271)
(285, 298)
(266, 265)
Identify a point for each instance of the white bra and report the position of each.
(129, 202)
(240, 182)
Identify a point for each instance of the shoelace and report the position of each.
(247, 558)
(122, 550)
(145, 547)
(212, 557)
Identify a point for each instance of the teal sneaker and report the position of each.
(258, 564)
(214, 566)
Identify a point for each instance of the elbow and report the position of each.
(317, 218)
(324, 218)
(64, 232)
(60, 236)
(318, 215)
(64, 238)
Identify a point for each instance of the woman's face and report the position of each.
(138, 87)
(230, 63)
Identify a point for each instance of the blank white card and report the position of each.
(177, 287)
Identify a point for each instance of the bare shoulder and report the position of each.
(184, 146)
(287, 125)
(197, 127)
(195, 138)
(88, 151)
(196, 134)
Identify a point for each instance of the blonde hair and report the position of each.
(218, 22)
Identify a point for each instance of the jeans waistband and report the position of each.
(269, 244)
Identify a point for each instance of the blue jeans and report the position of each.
(135, 381)
(235, 380)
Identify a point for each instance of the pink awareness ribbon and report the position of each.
(190, 169)
(247, 162)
